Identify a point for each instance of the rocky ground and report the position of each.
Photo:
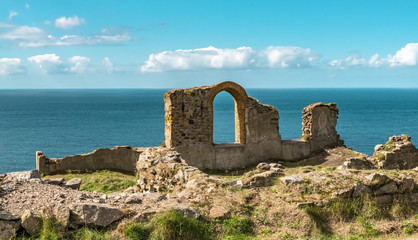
(335, 194)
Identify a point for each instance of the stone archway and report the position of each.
(240, 98)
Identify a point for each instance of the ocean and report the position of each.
(68, 122)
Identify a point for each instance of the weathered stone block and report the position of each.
(97, 215)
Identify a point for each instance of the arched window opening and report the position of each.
(223, 118)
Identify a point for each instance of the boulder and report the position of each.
(156, 197)
(188, 212)
(261, 179)
(8, 229)
(406, 185)
(361, 189)
(378, 147)
(96, 215)
(345, 193)
(263, 166)
(5, 215)
(62, 214)
(24, 176)
(74, 183)
(133, 199)
(236, 184)
(54, 181)
(357, 163)
(219, 212)
(376, 180)
(31, 222)
(292, 179)
(314, 177)
(384, 200)
(389, 188)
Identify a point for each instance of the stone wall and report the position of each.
(189, 114)
(189, 129)
(397, 153)
(120, 158)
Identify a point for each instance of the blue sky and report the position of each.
(167, 44)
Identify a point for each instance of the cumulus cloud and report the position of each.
(239, 58)
(52, 63)
(12, 14)
(11, 66)
(286, 56)
(406, 56)
(70, 22)
(49, 63)
(79, 64)
(108, 64)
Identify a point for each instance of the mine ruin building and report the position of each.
(189, 131)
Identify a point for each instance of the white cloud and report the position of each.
(108, 64)
(406, 56)
(12, 14)
(240, 58)
(24, 33)
(27, 6)
(70, 22)
(52, 63)
(32, 37)
(80, 64)
(11, 66)
(350, 61)
(49, 63)
(287, 56)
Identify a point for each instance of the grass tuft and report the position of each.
(91, 234)
(172, 225)
(50, 229)
(137, 231)
(104, 181)
(238, 228)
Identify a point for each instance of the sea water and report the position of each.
(68, 122)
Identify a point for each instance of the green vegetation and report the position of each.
(104, 181)
(237, 228)
(380, 156)
(137, 231)
(50, 229)
(409, 228)
(305, 137)
(171, 225)
(389, 146)
(91, 234)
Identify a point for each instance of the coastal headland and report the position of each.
(259, 187)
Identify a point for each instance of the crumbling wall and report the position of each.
(120, 158)
(318, 131)
(162, 170)
(189, 129)
(397, 153)
(189, 114)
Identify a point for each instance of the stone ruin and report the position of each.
(189, 131)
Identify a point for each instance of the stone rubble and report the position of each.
(397, 153)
